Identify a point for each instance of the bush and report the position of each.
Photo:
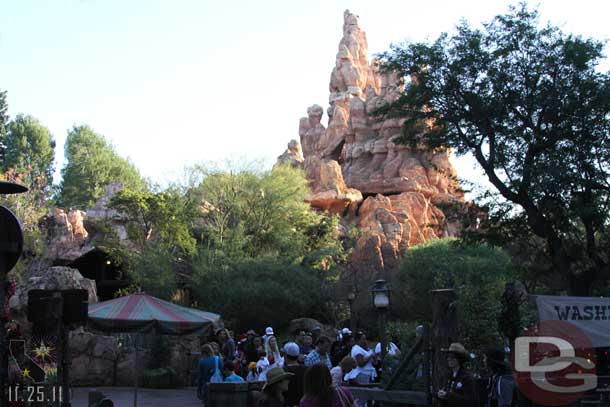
(477, 272)
(259, 292)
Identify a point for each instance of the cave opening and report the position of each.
(99, 266)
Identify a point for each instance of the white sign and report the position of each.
(591, 315)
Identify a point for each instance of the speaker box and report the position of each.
(76, 306)
(44, 310)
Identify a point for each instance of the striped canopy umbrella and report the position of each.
(143, 313)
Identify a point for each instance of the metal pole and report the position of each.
(426, 367)
(382, 332)
(65, 360)
(352, 325)
(135, 371)
(3, 345)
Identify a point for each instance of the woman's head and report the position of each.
(271, 345)
(347, 364)
(360, 339)
(216, 347)
(317, 380)
(317, 384)
(206, 350)
(222, 335)
(277, 381)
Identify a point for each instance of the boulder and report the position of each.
(53, 278)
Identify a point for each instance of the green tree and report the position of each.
(3, 123)
(29, 153)
(92, 164)
(160, 218)
(530, 106)
(255, 293)
(477, 272)
(249, 213)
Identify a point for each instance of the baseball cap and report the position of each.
(268, 331)
(346, 331)
(292, 349)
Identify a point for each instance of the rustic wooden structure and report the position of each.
(444, 332)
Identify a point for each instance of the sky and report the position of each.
(174, 83)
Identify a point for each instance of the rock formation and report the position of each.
(293, 155)
(72, 234)
(395, 194)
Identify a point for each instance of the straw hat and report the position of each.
(277, 374)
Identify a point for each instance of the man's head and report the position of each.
(323, 345)
(307, 340)
(292, 351)
(227, 368)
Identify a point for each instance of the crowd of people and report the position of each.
(309, 371)
(314, 370)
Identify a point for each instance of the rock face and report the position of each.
(394, 193)
(54, 278)
(67, 234)
(293, 155)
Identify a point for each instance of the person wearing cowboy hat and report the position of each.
(501, 388)
(459, 390)
(275, 386)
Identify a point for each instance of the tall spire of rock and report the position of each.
(355, 156)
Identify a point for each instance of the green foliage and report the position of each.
(92, 164)
(478, 273)
(258, 292)
(29, 153)
(3, 124)
(247, 213)
(530, 106)
(161, 218)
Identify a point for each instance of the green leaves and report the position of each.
(92, 164)
(477, 272)
(529, 105)
(29, 153)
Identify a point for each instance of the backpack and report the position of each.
(217, 376)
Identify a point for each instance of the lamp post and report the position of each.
(381, 301)
(351, 296)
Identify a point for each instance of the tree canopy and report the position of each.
(530, 106)
(92, 164)
(3, 123)
(29, 151)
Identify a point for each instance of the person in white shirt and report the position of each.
(364, 372)
(274, 357)
(268, 333)
(391, 349)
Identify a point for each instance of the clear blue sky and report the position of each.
(172, 83)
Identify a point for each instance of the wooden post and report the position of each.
(444, 332)
(426, 364)
(135, 371)
(3, 343)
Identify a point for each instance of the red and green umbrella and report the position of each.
(143, 313)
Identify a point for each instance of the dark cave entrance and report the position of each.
(109, 276)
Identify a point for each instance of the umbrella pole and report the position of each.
(135, 368)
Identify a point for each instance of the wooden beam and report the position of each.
(444, 332)
(395, 396)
